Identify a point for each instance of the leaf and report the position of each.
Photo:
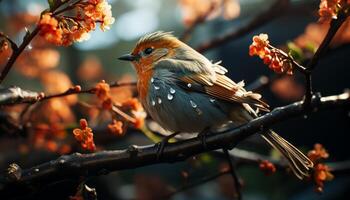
(14, 94)
(310, 46)
(295, 51)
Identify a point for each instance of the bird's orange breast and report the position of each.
(143, 81)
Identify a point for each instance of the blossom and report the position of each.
(116, 127)
(85, 136)
(107, 19)
(100, 10)
(276, 59)
(321, 174)
(49, 29)
(319, 152)
(64, 30)
(329, 9)
(321, 171)
(102, 91)
(267, 167)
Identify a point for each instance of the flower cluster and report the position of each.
(321, 171)
(267, 167)
(102, 91)
(63, 30)
(319, 152)
(85, 136)
(116, 127)
(329, 9)
(129, 110)
(276, 59)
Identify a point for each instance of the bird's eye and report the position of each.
(148, 50)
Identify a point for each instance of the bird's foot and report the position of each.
(161, 145)
(203, 137)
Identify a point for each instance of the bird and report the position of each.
(184, 92)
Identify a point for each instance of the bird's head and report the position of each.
(154, 47)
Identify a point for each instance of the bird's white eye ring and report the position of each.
(148, 51)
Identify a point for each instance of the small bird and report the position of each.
(185, 92)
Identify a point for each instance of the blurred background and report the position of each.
(52, 69)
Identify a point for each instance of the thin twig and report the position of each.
(334, 26)
(87, 91)
(71, 91)
(233, 173)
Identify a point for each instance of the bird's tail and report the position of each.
(300, 164)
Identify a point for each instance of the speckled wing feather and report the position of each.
(214, 82)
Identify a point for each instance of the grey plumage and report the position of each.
(189, 93)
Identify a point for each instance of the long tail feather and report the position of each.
(300, 164)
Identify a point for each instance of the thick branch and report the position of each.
(75, 165)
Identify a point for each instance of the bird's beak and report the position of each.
(128, 57)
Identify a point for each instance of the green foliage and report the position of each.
(295, 52)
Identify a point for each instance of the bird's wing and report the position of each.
(212, 81)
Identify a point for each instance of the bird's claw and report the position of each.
(161, 145)
(203, 138)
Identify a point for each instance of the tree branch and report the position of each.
(15, 95)
(74, 165)
(334, 26)
(233, 173)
